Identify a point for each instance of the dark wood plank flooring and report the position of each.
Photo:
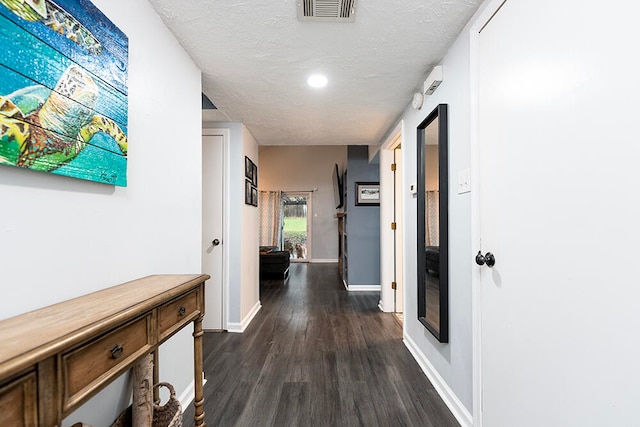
(316, 355)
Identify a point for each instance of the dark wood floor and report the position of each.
(316, 355)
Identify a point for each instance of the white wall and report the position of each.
(250, 238)
(63, 237)
(243, 284)
(451, 362)
(303, 168)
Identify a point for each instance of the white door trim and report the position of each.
(386, 302)
(482, 19)
(226, 236)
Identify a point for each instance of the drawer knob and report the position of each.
(116, 351)
(181, 311)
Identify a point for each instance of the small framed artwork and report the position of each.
(248, 168)
(367, 194)
(247, 192)
(254, 196)
(254, 181)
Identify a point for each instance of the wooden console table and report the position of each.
(54, 359)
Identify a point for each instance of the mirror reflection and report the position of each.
(433, 223)
(432, 226)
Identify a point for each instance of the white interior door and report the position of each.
(212, 228)
(558, 155)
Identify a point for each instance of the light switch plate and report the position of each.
(464, 181)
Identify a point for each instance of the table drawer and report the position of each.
(95, 363)
(173, 315)
(19, 402)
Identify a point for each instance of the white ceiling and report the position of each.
(255, 57)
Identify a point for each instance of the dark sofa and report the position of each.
(274, 263)
(432, 259)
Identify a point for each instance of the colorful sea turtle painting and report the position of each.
(43, 129)
(56, 18)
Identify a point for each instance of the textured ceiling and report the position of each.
(255, 57)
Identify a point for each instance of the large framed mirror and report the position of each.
(433, 223)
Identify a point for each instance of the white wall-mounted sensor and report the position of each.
(417, 101)
(433, 81)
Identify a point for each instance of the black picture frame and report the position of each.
(254, 179)
(247, 192)
(367, 194)
(248, 168)
(254, 196)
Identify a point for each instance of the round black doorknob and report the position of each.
(215, 242)
(488, 259)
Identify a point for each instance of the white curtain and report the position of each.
(432, 219)
(271, 217)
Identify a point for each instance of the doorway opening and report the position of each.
(296, 232)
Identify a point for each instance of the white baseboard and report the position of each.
(450, 399)
(363, 288)
(242, 326)
(189, 394)
(324, 261)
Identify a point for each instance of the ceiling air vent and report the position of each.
(327, 10)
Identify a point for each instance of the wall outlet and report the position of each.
(464, 181)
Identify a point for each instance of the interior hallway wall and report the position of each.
(63, 237)
(452, 363)
(363, 222)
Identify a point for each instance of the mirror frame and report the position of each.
(439, 113)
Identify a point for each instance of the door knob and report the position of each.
(215, 242)
(488, 259)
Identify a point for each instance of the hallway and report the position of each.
(316, 355)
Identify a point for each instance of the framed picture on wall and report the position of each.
(367, 194)
(254, 181)
(254, 196)
(247, 192)
(248, 168)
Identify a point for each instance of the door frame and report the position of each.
(309, 196)
(490, 10)
(226, 236)
(390, 257)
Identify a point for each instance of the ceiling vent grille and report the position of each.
(327, 10)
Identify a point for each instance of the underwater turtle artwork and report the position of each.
(56, 18)
(44, 129)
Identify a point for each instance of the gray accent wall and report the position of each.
(363, 222)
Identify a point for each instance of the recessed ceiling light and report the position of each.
(317, 80)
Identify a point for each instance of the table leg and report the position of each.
(198, 401)
(156, 377)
